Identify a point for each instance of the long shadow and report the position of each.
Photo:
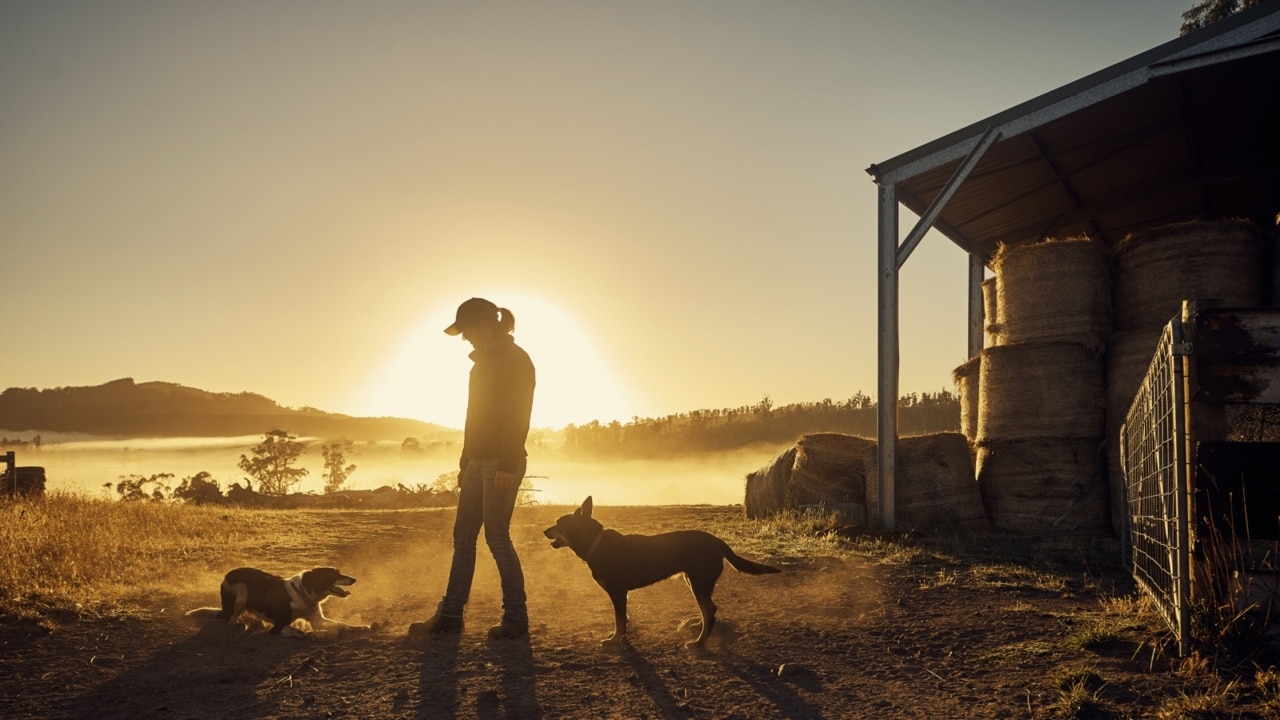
(220, 671)
(786, 701)
(778, 691)
(438, 679)
(653, 684)
(519, 699)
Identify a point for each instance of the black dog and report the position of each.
(279, 601)
(621, 563)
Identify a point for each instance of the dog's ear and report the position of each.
(585, 510)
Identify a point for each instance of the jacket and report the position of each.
(499, 402)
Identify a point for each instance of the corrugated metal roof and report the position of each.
(1187, 130)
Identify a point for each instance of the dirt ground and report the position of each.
(835, 636)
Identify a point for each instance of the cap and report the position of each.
(475, 310)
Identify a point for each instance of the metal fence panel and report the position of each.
(1153, 460)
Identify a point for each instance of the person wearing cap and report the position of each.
(499, 401)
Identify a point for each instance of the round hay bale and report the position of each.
(767, 487)
(935, 484)
(1036, 390)
(966, 379)
(1055, 290)
(1045, 486)
(1156, 269)
(828, 469)
(991, 313)
(1128, 359)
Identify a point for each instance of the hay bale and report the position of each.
(828, 469)
(1045, 486)
(966, 379)
(821, 469)
(1054, 291)
(991, 313)
(1156, 269)
(1036, 390)
(935, 484)
(767, 487)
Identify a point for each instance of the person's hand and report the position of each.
(503, 480)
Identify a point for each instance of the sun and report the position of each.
(426, 377)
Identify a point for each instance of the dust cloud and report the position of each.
(401, 579)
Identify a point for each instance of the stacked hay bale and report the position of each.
(934, 487)
(1156, 269)
(967, 380)
(1153, 271)
(966, 377)
(822, 468)
(991, 310)
(1042, 411)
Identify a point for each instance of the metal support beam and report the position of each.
(977, 308)
(935, 208)
(887, 385)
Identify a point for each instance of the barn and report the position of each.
(1087, 214)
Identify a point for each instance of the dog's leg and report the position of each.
(328, 626)
(702, 587)
(619, 598)
(239, 601)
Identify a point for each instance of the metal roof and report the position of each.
(1187, 130)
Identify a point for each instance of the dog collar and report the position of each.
(297, 592)
(594, 545)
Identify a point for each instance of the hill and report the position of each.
(124, 408)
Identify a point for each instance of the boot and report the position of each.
(508, 629)
(436, 625)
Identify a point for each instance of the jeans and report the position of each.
(480, 504)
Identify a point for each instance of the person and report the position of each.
(492, 466)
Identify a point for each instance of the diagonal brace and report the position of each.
(935, 208)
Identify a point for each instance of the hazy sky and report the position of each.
(291, 197)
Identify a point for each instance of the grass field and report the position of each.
(71, 559)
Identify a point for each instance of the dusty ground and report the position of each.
(836, 636)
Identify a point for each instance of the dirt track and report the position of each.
(831, 637)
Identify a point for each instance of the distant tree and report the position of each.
(336, 469)
(199, 489)
(136, 487)
(411, 445)
(445, 482)
(764, 406)
(1207, 12)
(272, 463)
(526, 494)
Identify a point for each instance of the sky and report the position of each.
(291, 197)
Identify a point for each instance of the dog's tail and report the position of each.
(206, 612)
(749, 567)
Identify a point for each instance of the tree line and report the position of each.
(733, 428)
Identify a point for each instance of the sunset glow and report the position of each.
(426, 378)
(289, 198)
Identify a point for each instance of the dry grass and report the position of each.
(1080, 695)
(791, 532)
(68, 553)
(64, 548)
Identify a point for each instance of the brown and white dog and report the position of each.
(280, 601)
(621, 563)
